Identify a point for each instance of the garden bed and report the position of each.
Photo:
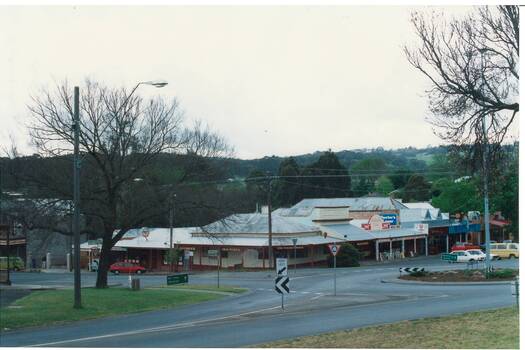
(469, 275)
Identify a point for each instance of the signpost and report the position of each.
(334, 249)
(213, 253)
(177, 279)
(294, 240)
(281, 282)
(449, 257)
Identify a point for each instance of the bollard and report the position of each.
(135, 284)
(48, 260)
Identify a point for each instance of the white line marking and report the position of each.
(155, 329)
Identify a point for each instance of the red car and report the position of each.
(126, 267)
(464, 246)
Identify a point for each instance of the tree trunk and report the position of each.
(103, 266)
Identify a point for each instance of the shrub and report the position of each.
(419, 274)
(504, 273)
(348, 256)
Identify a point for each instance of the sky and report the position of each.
(273, 80)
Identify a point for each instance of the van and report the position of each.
(505, 250)
(15, 263)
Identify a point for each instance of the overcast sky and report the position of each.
(272, 80)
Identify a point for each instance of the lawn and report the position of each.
(494, 329)
(207, 287)
(56, 306)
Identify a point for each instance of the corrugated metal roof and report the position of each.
(419, 205)
(347, 232)
(305, 207)
(159, 238)
(258, 223)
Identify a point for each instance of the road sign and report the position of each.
(334, 248)
(281, 284)
(281, 266)
(177, 279)
(449, 257)
(411, 269)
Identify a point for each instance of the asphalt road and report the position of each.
(257, 317)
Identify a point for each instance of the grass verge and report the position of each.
(493, 329)
(56, 306)
(211, 288)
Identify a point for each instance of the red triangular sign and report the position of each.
(334, 248)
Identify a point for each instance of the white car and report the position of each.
(469, 255)
(479, 252)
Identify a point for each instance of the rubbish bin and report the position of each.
(135, 284)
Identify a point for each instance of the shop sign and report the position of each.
(390, 218)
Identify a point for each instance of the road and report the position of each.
(256, 317)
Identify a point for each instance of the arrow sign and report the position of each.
(334, 248)
(281, 266)
(281, 284)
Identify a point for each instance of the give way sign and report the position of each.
(334, 248)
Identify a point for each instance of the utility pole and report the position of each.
(171, 251)
(76, 199)
(270, 249)
(486, 215)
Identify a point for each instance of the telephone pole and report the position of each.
(270, 249)
(76, 200)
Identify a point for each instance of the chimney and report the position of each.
(264, 209)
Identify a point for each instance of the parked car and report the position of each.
(505, 250)
(15, 263)
(468, 256)
(482, 254)
(463, 246)
(126, 267)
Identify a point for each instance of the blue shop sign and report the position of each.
(464, 228)
(390, 218)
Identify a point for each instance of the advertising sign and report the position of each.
(390, 218)
(421, 228)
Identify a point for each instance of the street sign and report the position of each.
(177, 279)
(334, 248)
(281, 266)
(449, 257)
(281, 284)
(421, 228)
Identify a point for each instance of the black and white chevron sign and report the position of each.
(411, 269)
(281, 284)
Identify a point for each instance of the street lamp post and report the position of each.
(486, 215)
(76, 181)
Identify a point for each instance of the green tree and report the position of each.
(456, 196)
(400, 177)
(257, 186)
(288, 189)
(367, 171)
(384, 186)
(417, 189)
(326, 187)
(348, 256)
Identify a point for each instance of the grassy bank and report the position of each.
(495, 329)
(55, 306)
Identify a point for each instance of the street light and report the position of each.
(485, 173)
(76, 179)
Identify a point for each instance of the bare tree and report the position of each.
(473, 66)
(121, 137)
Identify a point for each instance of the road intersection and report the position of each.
(256, 317)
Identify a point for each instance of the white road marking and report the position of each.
(155, 329)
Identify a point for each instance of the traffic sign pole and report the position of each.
(335, 276)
